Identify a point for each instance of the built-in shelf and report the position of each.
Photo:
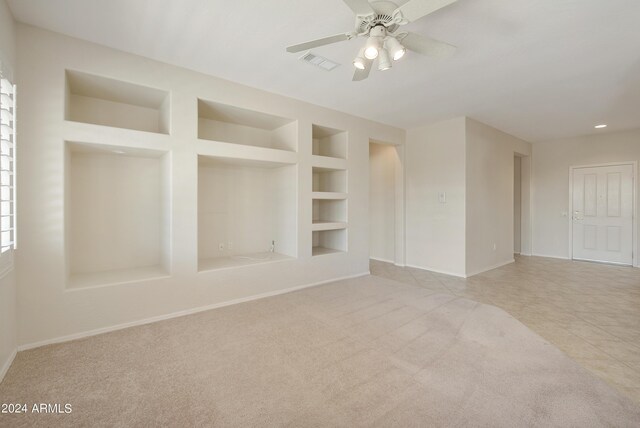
(113, 277)
(224, 262)
(328, 163)
(241, 152)
(116, 214)
(329, 190)
(319, 225)
(103, 101)
(328, 195)
(105, 136)
(230, 124)
(327, 180)
(319, 251)
(330, 211)
(329, 142)
(329, 241)
(244, 208)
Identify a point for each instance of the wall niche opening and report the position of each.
(230, 124)
(99, 100)
(247, 212)
(117, 214)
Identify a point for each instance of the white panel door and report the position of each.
(603, 214)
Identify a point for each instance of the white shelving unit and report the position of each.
(329, 242)
(230, 124)
(327, 180)
(118, 201)
(102, 101)
(329, 142)
(116, 214)
(328, 195)
(321, 225)
(329, 191)
(247, 212)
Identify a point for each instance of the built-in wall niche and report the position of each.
(117, 218)
(329, 241)
(102, 101)
(329, 214)
(229, 124)
(329, 180)
(247, 212)
(329, 142)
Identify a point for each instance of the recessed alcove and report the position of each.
(116, 214)
(329, 211)
(329, 242)
(329, 142)
(103, 101)
(329, 180)
(247, 212)
(230, 124)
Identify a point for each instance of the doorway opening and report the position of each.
(517, 205)
(386, 203)
(521, 204)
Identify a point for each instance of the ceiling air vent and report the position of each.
(319, 61)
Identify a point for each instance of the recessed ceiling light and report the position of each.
(118, 152)
(600, 126)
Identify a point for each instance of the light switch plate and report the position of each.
(442, 197)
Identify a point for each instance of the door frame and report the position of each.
(634, 203)
(399, 232)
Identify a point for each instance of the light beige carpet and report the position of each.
(363, 352)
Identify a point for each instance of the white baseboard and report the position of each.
(550, 257)
(437, 271)
(488, 268)
(7, 364)
(382, 260)
(102, 330)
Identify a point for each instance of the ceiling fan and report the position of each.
(379, 21)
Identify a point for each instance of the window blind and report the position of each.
(7, 163)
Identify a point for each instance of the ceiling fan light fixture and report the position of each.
(372, 48)
(360, 62)
(384, 60)
(395, 48)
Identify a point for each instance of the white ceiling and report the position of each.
(538, 69)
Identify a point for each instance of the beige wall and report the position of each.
(7, 39)
(489, 196)
(48, 309)
(435, 162)
(473, 164)
(8, 303)
(551, 162)
(382, 202)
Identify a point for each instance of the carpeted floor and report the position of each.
(363, 352)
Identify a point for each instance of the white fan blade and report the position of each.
(363, 74)
(360, 7)
(416, 9)
(319, 42)
(427, 46)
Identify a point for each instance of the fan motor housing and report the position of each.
(383, 16)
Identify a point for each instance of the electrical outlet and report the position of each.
(221, 246)
(230, 246)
